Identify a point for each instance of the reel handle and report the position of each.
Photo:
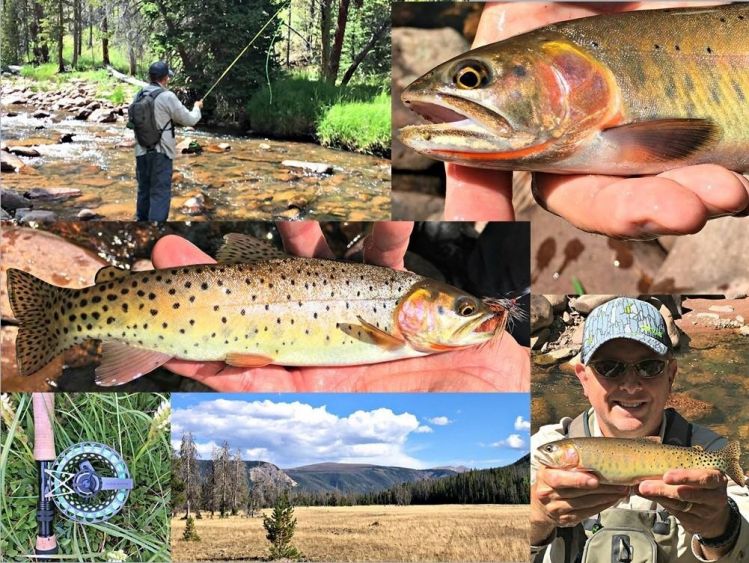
(44, 452)
(114, 484)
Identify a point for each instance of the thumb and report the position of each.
(477, 194)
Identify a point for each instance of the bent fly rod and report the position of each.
(87, 483)
(243, 51)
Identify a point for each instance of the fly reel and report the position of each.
(90, 482)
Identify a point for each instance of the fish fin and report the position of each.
(698, 448)
(654, 439)
(240, 360)
(731, 454)
(367, 332)
(110, 273)
(33, 302)
(246, 249)
(121, 363)
(661, 140)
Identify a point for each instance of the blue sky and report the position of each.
(407, 430)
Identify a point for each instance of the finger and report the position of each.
(477, 194)
(570, 517)
(722, 191)
(561, 479)
(304, 238)
(172, 250)
(702, 478)
(387, 244)
(635, 208)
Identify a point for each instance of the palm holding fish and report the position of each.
(469, 369)
(678, 201)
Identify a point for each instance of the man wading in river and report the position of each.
(152, 115)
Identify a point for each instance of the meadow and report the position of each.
(370, 533)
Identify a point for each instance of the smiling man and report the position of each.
(627, 370)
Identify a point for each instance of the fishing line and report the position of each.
(242, 52)
(267, 61)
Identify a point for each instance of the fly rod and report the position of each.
(243, 51)
(44, 454)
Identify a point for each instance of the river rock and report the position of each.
(102, 115)
(577, 334)
(12, 200)
(554, 357)
(744, 330)
(49, 194)
(674, 334)
(10, 162)
(740, 319)
(416, 51)
(264, 146)
(16, 101)
(540, 338)
(66, 138)
(314, 167)
(289, 214)
(83, 114)
(689, 407)
(711, 261)
(40, 114)
(11, 113)
(189, 146)
(541, 313)
(194, 206)
(711, 316)
(219, 148)
(558, 302)
(88, 215)
(584, 304)
(26, 217)
(721, 309)
(24, 151)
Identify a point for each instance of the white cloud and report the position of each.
(290, 434)
(522, 424)
(423, 430)
(514, 441)
(440, 420)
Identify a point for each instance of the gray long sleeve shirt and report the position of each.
(168, 107)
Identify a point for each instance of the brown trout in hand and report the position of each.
(628, 93)
(256, 307)
(620, 461)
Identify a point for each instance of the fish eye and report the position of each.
(471, 75)
(465, 307)
(549, 448)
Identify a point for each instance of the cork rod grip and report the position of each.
(44, 413)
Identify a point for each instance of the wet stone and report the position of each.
(23, 151)
(52, 193)
(36, 216)
(10, 162)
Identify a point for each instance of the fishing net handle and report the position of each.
(44, 413)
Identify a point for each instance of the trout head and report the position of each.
(435, 317)
(561, 454)
(529, 99)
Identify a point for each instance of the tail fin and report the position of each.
(731, 454)
(33, 302)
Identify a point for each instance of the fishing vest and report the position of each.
(622, 535)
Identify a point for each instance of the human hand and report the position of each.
(500, 365)
(199, 104)
(561, 498)
(678, 201)
(696, 497)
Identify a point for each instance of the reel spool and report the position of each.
(90, 482)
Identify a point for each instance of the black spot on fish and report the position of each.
(95, 299)
(71, 318)
(215, 307)
(223, 320)
(182, 331)
(89, 326)
(111, 297)
(105, 308)
(188, 285)
(175, 306)
(267, 306)
(110, 320)
(154, 312)
(95, 314)
(164, 325)
(192, 322)
(192, 299)
(84, 302)
(124, 307)
(204, 285)
(220, 283)
(172, 291)
(152, 296)
(709, 50)
(141, 293)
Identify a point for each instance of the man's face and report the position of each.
(627, 406)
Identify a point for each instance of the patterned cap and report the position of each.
(624, 317)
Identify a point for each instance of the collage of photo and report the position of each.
(374, 281)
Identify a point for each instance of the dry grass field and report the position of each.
(371, 533)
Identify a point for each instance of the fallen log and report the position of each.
(125, 78)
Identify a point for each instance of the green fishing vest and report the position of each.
(620, 535)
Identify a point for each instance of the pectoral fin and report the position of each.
(121, 363)
(246, 249)
(367, 332)
(248, 360)
(661, 140)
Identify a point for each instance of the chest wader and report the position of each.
(620, 535)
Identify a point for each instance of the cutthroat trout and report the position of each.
(619, 461)
(629, 93)
(257, 306)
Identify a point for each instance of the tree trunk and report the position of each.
(105, 39)
(324, 38)
(60, 36)
(340, 32)
(288, 40)
(376, 36)
(133, 60)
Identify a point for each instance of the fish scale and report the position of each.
(287, 311)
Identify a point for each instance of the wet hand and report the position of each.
(562, 498)
(679, 201)
(696, 497)
(199, 104)
(500, 365)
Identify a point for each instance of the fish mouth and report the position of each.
(481, 328)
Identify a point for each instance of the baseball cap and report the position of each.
(624, 317)
(159, 70)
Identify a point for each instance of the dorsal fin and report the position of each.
(110, 273)
(246, 249)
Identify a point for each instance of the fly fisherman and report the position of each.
(627, 370)
(153, 115)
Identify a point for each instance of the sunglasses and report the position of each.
(646, 369)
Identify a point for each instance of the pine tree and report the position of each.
(191, 534)
(279, 527)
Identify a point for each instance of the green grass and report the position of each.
(123, 421)
(356, 117)
(358, 126)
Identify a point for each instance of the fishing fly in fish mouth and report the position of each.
(565, 99)
(257, 306)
